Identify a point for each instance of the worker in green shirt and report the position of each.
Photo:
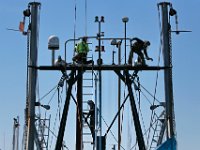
(82, 49)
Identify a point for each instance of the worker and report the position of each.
(60, 62)
(91, 115)
(140, 48)
(82, 49)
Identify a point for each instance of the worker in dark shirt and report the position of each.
(91, 115)
(140, 48)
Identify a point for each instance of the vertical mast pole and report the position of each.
(100, 89)
(119, 96)
(34, 28)
(167, 72)
(79, 111)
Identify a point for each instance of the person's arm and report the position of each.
(136, 39)
(146, 55)
(87, 47)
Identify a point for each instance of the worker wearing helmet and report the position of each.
(140, 48)
(91, 115)
(81, 49)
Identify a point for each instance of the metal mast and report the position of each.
(34, 29)
(167, 57)
(16, 134)
(79, 111)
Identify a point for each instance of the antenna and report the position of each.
(179, 31)
(173, 12)
(9, 29)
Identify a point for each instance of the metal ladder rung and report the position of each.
(85, 125)
(88, 94)
(87, 79)
(88, 86)
(85, 110)
(87, 142)
(87, 133)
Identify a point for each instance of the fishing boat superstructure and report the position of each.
(75, 75)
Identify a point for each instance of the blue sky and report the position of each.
(58, 18)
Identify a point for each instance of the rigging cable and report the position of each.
(112, 133)
(85, 17)
(74, 25)
(54, 127)
(158, 117)
(138, 99)
(123, 112)
(149, 93)
(52, 97)
(160, 47)
(59, 107)
(40, 99)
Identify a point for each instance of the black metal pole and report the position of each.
(135, 115)
(119, 97)
(125, 42)
(63, 121)
(35, 7)
(79, 111)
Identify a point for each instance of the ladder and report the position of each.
(88, 94)
(42, 126)
(157, 132)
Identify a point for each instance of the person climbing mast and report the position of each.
(140, 48)
(91, 116)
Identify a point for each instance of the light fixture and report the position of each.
(47, 107)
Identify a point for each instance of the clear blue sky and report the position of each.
(58, 18)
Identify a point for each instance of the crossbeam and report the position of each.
(101, 67)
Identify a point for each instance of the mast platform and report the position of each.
(100, 67)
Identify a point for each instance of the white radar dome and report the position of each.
(53, 42)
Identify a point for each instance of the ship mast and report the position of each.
(167, 57)
(34, 30)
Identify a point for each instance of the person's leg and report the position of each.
(130, 58)
(141, 57)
